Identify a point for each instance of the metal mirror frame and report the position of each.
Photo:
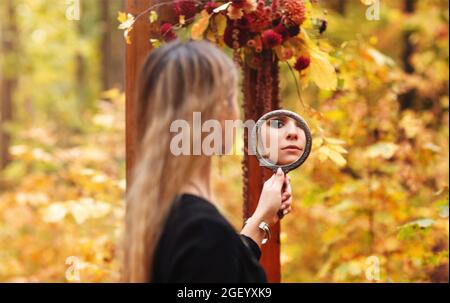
(303, 125)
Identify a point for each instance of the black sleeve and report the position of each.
(252, 246)
(205, 251)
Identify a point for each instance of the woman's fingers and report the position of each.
(287, 210)
(285, 196)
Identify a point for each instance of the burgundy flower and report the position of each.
(167, 32)
(238, 3)
(187, 8)
(243, 23)
(293, 30)
(271, 38)
(282, 30)
(302, 63)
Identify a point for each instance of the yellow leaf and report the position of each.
(334, 141)
(122, 17)
(182, 20)
(333, 155)
(153, 16)
(221, 23)
(126, 20)
(338, 148)
(322, 72)
(200, 26)
(383, 149)
(55, 212)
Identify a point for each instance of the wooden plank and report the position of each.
(135, 54)
(254, 174)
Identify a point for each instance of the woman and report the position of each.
(174, 232)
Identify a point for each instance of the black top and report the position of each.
(199, 245)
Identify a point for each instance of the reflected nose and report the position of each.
(291, 131)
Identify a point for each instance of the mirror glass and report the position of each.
(281, 138)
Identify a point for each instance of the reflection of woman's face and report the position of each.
(283, 141)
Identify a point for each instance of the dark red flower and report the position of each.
(187, 8)
(302, 63)
(238, 3)
(167, 32)
(271, 38)
(243, 23)
(210, 6)
(293, 30)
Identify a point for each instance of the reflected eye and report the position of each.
(276, 123)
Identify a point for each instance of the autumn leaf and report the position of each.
(335, 156)
(126, 24)
(383, 149)
(200, 26)
(153, 17)
(321, 71)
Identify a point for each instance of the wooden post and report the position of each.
(256, 103)
(261, 95)
(135, 54)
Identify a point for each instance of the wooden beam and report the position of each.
(254, 174)
(135, 54)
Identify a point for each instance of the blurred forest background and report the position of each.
(373, 192)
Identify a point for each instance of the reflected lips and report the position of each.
(290, 147)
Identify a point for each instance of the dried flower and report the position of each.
(295, 11)
(271, 38)
(167, 33)
(238, 7)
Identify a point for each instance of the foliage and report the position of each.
(374, 190)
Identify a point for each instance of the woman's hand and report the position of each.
(276, 196)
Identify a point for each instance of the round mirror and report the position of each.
(281, 138)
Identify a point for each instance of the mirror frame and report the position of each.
(303, 125)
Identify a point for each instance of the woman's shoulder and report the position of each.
(196, 223)
(190, 209)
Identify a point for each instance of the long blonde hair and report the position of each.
(177, 79)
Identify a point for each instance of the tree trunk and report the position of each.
(105, 49)
(8, 78)
(407, 99)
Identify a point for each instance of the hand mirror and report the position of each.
(281, 138)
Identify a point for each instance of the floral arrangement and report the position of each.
(250, 28)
